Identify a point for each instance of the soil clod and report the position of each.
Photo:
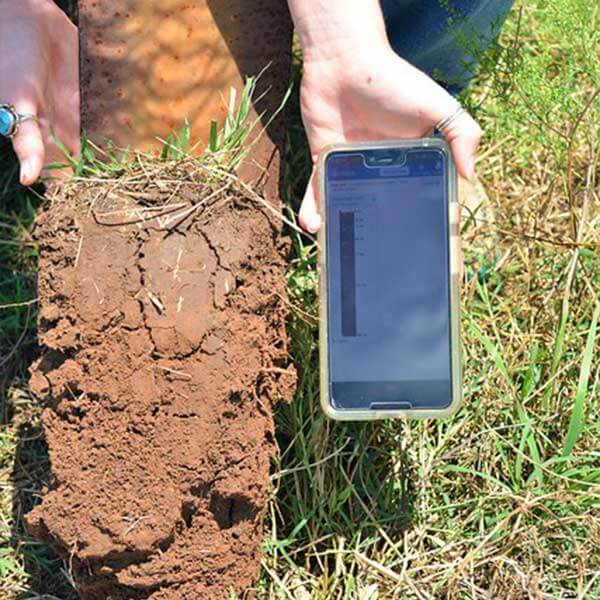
(162, 356)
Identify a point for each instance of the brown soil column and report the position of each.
(163, 351)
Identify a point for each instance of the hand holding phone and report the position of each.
(389, 322)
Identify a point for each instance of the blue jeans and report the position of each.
(444, 38)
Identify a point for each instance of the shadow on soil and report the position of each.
(261, 32)
(46, 570)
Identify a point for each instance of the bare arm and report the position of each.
(329, 29)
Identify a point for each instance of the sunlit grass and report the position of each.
(503, 499)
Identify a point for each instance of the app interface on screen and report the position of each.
(387, 249)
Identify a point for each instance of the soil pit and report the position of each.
(162, 326)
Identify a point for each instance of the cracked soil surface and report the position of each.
(163, 350)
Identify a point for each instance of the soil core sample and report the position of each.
(162, 327)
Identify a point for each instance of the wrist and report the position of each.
(336, 30)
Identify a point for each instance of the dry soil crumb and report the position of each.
(164, 348)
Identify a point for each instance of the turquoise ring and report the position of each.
(10, 120)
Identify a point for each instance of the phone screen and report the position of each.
(388, 275)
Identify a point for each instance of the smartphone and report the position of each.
(389, 281)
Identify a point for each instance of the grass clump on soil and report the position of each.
(173, 273)
(503, 499)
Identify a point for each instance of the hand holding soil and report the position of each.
(167, 338)
(39, 75)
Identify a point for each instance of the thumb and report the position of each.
(309, 215)
(463, 135)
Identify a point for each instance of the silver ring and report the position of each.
(444, 123)
(10, 120)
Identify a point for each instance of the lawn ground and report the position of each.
(500, 501)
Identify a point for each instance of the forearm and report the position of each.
(330, 28)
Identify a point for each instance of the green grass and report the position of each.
(502, 500)
(24, 564)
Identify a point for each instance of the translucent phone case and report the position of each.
(454, 266)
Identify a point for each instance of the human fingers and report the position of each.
(463, 135)
(309, 215)
(418, 104)
(65, 90)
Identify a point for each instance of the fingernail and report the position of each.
(26, 173)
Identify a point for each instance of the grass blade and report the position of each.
(494, 353)
(212, 138)
(577, 416)
(556, 356)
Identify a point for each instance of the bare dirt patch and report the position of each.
(164, 348)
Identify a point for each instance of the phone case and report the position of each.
(454, 266)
